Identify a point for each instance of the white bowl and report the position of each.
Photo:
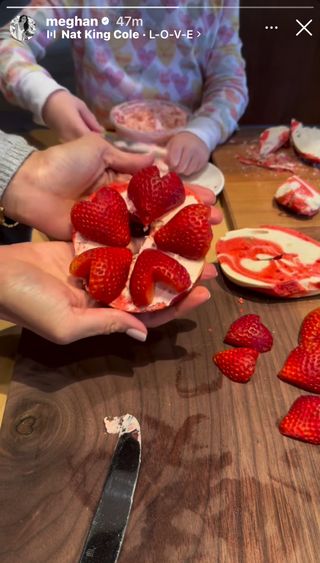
(151, 121)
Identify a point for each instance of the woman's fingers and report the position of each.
(207, 196)
(126, 162)
(197, 296)
(98, 321)
(209, 272)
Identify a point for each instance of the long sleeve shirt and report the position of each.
(13, 152)
(205, 73)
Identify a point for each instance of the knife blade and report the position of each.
(105, 537)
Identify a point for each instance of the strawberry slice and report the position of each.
(153, 195)
(105, 271)
(303, 420)
(153, 266)
(248, 331)
(188, 233)
(103, 218)
(302, 368)
(238, 364)
(310, 330)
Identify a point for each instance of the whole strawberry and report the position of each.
(188, 233)
(303, 420)
(103, 218)
(248, 331)
(238, 365)
(310, 330)
(302, 368)
(153, 266)
(153, 195)
(105, 271)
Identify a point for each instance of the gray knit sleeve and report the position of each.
(13, 152)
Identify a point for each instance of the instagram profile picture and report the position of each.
(22, 28)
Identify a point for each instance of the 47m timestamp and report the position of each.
(129, 21)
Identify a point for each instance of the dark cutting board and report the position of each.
(218, 482)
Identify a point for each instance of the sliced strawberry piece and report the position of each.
(103, 218)
(153, 266)
(248, 331)
(310, 330)
(105, 271)
(188, 233)
(303, 420)
(302, 368)
(81, 264)
(238, 364)
(153, 195)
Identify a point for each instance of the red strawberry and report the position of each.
(105, 271)
(152, 195)
(188, 233)
(238, 365)
(303, 420)
(103, 218)
(81, 264)
(153, 266)
(249, 331)
(302, 368)
(310, 329)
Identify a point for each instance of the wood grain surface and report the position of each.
(218, 482)
(249, 190)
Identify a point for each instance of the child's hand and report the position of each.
(69, 116)
(187, 154)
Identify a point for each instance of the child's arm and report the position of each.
(29, 85)
(224, 99)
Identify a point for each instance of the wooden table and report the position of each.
(218, 482)
(249, 190)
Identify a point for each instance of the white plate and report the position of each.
(210, 177)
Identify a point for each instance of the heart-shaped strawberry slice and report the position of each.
(153, 195)
(302, 368)
(188, 233)
(303, 420)
(103, 218)
(105, 271)
(238, 365)
(153, 266)
(248, 331)
(310, 330)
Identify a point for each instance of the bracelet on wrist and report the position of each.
(5, 222)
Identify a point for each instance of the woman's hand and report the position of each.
(36, 289)
(45, 187)
(37, 292)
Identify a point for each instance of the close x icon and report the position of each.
(304, 27)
